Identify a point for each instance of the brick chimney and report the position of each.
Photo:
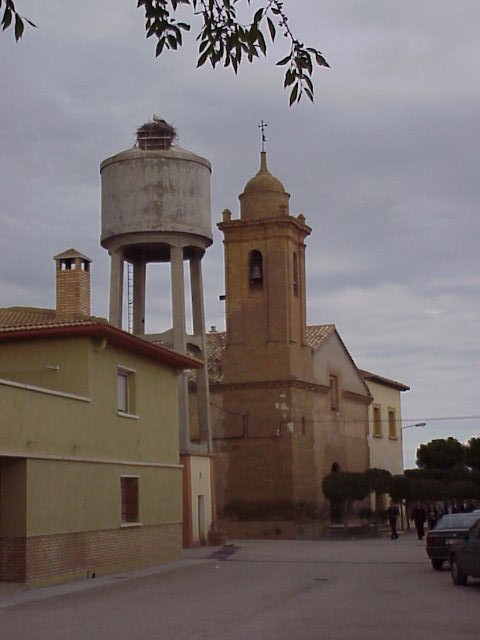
(72, 283)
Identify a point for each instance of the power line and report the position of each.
(440, 418)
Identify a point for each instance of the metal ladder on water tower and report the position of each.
(130, 297)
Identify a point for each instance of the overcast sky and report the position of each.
(385, 165)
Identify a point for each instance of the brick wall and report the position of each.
(12, 559)
(59, 558)
(73, 290)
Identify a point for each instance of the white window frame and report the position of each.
(126, 401)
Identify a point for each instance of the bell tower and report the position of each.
(265, 285)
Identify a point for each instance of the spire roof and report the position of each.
(264, 195)
(263, 180)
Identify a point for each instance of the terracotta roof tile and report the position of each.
(24, 318)
(318, 333)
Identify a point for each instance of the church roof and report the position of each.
(263, 196)
(216, 340)
(318, 333)
(386, 382)
(264, 180)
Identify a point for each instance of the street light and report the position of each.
(402, 506)
(417, 424)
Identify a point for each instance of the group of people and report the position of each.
(419, 515)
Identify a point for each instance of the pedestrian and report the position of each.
(392, 513)
(432, 516)
(419, 517)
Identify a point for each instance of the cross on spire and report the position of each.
(263, 126)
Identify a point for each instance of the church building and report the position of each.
(288, 402)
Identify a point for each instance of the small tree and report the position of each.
(342, 488)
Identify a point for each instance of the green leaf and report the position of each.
(271, 28)
(19, 27)
(321, 60)
(172, 42)
(204, 57)
(284, 60)
(258, 16)
(294, 95)
(7, 19)
(261, 43)
(309, 94)
(160, 46)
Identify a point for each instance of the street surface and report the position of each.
(258, 590)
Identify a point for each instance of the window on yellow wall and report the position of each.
(129, 487)
(125, 391)
(377, 421)
(392, 423)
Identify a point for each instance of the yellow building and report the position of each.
(385, 422)
(90, 477)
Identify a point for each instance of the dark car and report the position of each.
(451, 527)
(465, 556)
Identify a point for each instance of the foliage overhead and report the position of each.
(222, 36)
(11, 18)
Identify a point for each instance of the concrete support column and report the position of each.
(179, 340)
(116, 288)
(178, 299)
(203, 396)
(139, 276)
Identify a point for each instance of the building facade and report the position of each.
(90, 476)
(385, 422)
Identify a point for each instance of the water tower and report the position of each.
(156, 208)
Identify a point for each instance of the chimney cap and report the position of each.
(71, 253)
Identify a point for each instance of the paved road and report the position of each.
(259, 590)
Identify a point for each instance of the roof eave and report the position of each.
(116, 336)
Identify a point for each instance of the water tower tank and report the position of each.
(155, 194)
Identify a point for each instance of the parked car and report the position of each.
(451, 527)
(465, 556)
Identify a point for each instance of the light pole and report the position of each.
(407, 426)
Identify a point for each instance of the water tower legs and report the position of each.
(198, 313)
(178, 299)
(178, 336)
(116, 288)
